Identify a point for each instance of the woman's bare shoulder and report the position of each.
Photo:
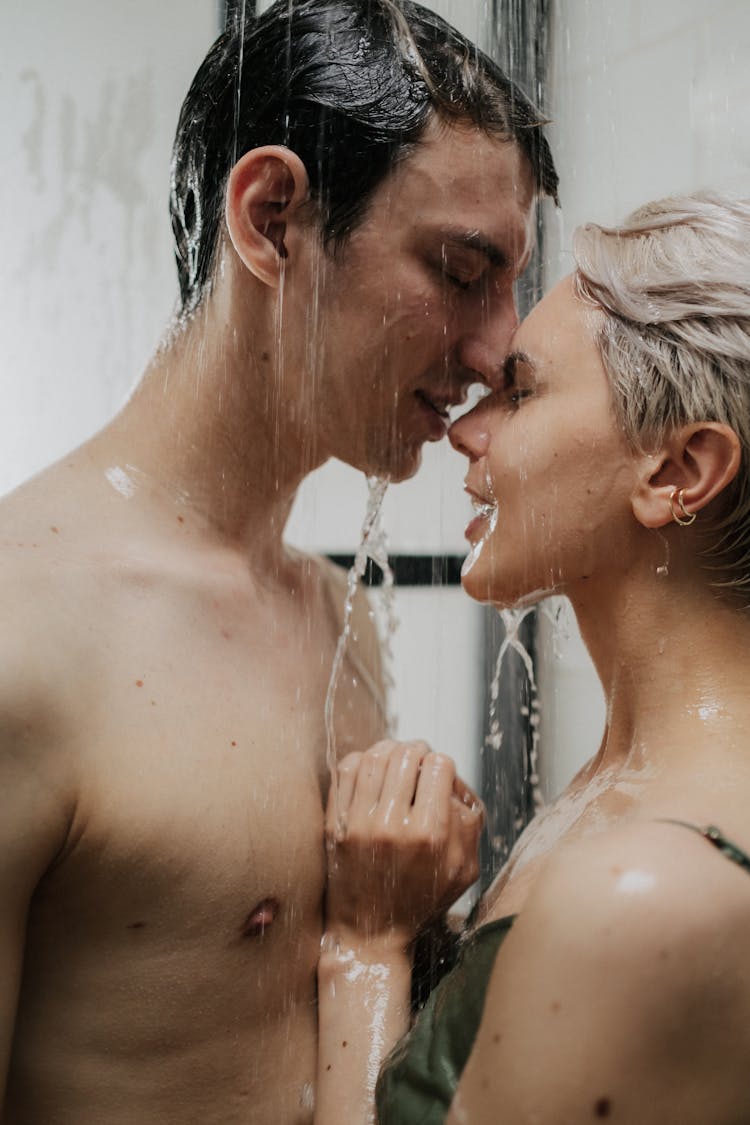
(626, 971)
(637, 885)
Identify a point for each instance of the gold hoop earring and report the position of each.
(687, 517)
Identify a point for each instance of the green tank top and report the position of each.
(420, 1076)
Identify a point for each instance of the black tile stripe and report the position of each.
(411, 570)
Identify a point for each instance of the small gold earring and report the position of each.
(687, 517)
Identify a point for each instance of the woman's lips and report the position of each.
(480, 530)
(474, 528)
(486, 512)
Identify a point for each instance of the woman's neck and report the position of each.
(674, 661)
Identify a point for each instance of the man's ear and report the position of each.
(699, 460)
(265, 187)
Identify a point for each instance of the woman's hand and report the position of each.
(402, 834)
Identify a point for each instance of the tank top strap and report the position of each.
(716, 837)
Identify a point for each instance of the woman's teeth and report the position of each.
(483, 507)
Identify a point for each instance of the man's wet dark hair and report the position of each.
(349, 86)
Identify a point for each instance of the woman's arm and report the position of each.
(402, 834)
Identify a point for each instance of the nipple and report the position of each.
(260, 917)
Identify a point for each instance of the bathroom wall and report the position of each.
(647, 99)
(90, 94)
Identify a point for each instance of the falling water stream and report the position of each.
(372, 546)
(512, 619)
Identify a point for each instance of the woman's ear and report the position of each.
(698, 461)
(265, 187)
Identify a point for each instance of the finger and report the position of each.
(369, 781)
(464, 835)
(466, 824)
(400, 782)
(340, 794)
(465, 794)
(432, 802)
(465, 831)
(469, 816)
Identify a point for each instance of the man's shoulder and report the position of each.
(51, 595)
(337, 580)
(364, 633)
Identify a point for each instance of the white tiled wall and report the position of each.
(90, 94)
(648, 97)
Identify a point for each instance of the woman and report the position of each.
(611, 953)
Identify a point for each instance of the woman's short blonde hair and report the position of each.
(673, 283)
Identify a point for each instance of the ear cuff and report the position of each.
(684, 518)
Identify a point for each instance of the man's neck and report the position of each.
(211, 432)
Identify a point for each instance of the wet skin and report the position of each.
(168, 780)
(166, 661)
(626, 968)
(418, 305)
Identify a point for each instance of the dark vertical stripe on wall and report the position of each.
(518, 41)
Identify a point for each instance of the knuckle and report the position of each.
(383, 746)
(418, 746)
(378, 753)
(410, 753)
(350, 764)
(441, 763)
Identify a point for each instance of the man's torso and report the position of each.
(171, 946)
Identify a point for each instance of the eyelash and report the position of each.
(517, 395)
(462, 285)
(465, 286)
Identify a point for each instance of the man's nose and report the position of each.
(485, 341)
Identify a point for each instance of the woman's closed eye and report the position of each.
(518, 380)
(516, 395)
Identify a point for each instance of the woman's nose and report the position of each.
(470, 434)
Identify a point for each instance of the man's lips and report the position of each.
(435, 411)
(439, 405)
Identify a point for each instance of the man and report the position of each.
(349, 218)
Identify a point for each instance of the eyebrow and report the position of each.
(475, 240)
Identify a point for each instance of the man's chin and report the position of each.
(394, 465)
(405, 466)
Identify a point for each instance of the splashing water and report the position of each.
(372, 546)
(512, 619)
(489, 511)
